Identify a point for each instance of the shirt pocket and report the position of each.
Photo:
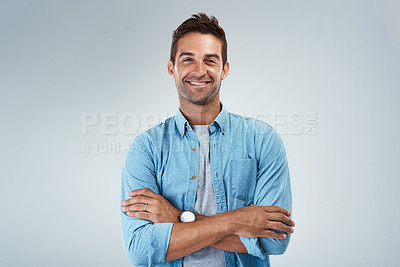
(244, 179)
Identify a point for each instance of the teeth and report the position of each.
(197, 83)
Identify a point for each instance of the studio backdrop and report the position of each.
(80, 79)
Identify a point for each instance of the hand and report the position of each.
(262, 221)
(145, 204)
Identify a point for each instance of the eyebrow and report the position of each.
(192, 54)
(212, 55)
(186, 54)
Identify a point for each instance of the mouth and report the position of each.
(198, 83)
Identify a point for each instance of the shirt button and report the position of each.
(187, 127)
(193, 148)
(193, 177)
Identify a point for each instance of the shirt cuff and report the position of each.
(159, 242)
(253, 247)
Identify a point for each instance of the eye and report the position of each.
(187, 59)
(210, 61)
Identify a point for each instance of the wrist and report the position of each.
(225, 223)
(175, 216)
(200, 217)
(187, 216)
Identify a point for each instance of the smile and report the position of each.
(198, 83)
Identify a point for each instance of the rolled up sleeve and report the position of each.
(145, 243)
(272, 189)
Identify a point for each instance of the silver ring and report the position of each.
(145, 207)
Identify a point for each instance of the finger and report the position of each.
(280, 227)
(277, 209)
(279, 217)
(273, 234)
(144, 192)
(137, 207)
(140, 215)
(137, 199)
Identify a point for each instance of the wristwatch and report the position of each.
(187, 216)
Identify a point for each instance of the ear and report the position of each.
(225, 70)
(171, 69)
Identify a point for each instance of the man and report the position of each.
(206, 187)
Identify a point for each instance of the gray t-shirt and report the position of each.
(205, 202)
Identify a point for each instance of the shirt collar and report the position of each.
(221, 121)
(181, 122)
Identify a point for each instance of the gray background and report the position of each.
(62, 59)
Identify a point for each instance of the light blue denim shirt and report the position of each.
(249, 165)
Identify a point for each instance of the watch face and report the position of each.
(187, 216)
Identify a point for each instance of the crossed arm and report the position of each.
(221, 231)
(152, 233)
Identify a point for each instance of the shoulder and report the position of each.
(151, 138)
(158, 131)
(251, 125)
(264, 135)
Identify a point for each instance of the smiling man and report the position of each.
(198, 83)
(206, 187)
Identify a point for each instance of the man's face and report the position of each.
(198, 69)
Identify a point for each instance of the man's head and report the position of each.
(200, 23)
(198, 60)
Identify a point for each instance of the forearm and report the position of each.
(187, 238)
(229, 243)
(223, 231)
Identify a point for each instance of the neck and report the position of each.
(200, 114)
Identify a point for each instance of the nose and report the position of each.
(199, 69)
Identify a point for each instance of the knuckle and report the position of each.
(270, 233)
(279, 209)
(275, 234)
(283, 227)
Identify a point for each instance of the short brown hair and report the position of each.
(200, 23)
